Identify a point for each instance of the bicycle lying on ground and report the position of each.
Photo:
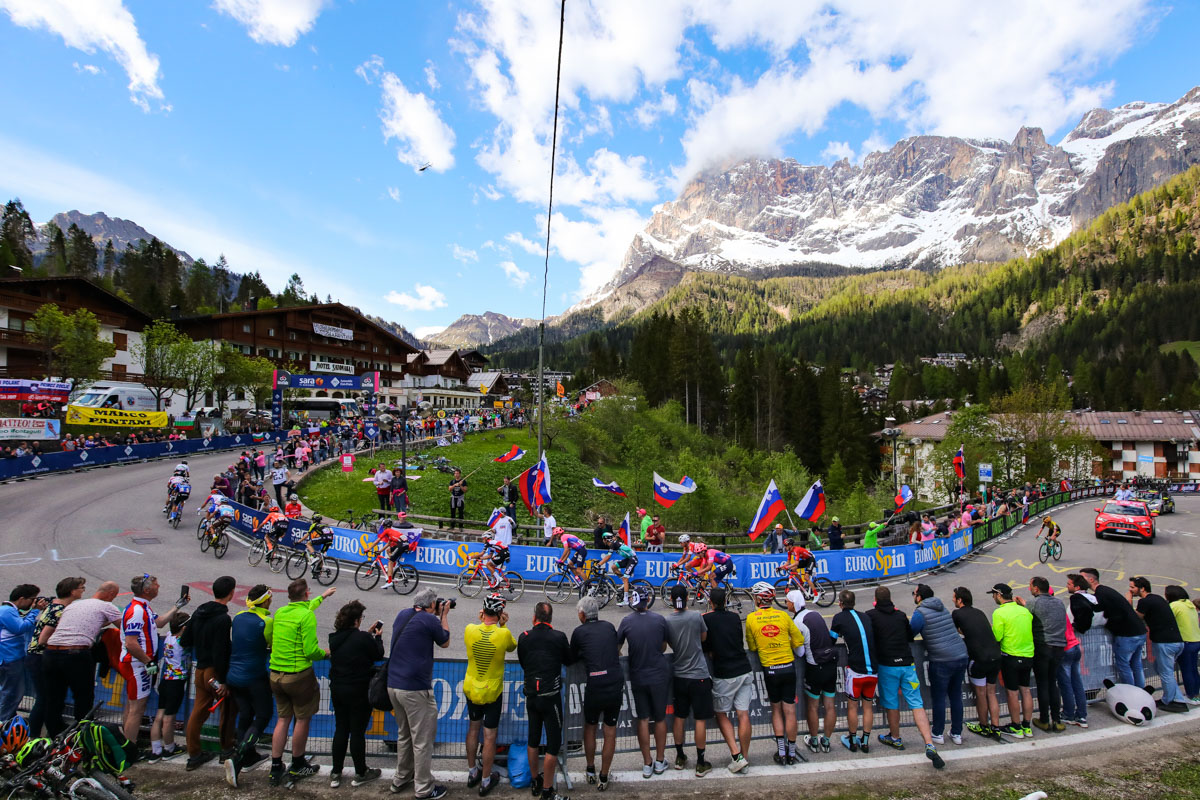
(474, 579)
(816, 590)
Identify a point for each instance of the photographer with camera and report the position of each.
(410, 685)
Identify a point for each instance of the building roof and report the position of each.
(1128, 426)
(87, 285)
(473, 355)
(437, 358)
(487, 379)
(402, 346)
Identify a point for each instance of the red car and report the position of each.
(1125, 518)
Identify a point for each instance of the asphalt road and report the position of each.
(107, 524)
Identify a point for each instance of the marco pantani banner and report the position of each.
(115, 417)
(21, 428)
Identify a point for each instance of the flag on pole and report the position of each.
(512, 455)
(497, 513)
(534, 485)
(623, 531)
(769, 508)
(559, 389)
(608, 487)
(812, 506)
(960, 464)
(666, 492)
(903, 496)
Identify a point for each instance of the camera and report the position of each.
(442, 603)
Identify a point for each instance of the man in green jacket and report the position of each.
(871, 537)
(294, 648)
(646, 522)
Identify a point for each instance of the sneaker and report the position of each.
(938, 738)
(824, 744)
(250, 759)
(228, 754)
(780, 760)
(335, 780)
(738, 764)
(1028, 731)
(680, 761)
(891, 741)
(602, 784)
(387, 585)
(1043, 726)
(647, 770)
(535, 786)
(306, 770)
(492, 782)
(171, 752)
(956, 738)
(397, 788)
(437, 793)
(231, 773)
(474, 776)
(1081, 722)
(151, 757)
(1070, 721)
(276, 777)
(660, 767)
(980, 730)
(702, 768)
(812, 743)
(1015, 731)
(932, 754)
(590, 774)
(864, 743)
(195, 762)
(371, 774)
(850, 743)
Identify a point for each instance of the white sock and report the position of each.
(156, 746)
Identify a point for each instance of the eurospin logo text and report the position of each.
(878, 561)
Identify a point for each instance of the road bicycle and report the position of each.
(816, 590)
(474, 579)
(325, 569)
(368, 573)
(604, 585)
(1050, 549)
(560, 586)
(272, 551)
(215, 538)
(175, 512)
(362, 522)
(737, 600)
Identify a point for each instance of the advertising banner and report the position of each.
(337, 382)
(15, 389)
(115, 417)
(23, 428)
(333, 332)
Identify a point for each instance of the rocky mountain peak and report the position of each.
(101, 228)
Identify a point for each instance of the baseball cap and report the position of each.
(837, 519)
(637, 600)
(796, 598)
(679, 594)
(1003, 589)
(778, 527)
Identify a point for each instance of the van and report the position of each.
(124, 395)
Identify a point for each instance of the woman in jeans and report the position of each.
(1070, 681)
(352, 656)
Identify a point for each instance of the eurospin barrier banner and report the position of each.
(77, 459)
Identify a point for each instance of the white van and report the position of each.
(124, 395)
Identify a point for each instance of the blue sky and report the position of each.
(287, 134)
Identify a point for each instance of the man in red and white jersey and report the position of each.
(140, 649)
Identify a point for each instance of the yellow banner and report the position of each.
(497, 404)
(115, 417)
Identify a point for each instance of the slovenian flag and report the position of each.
(608, 487)
(666, 492)
(813, 505)
(512, 455)
(534, 485)
(768, 510)
(903, 496)
(623, 531)
(495, 517)
(960, 464)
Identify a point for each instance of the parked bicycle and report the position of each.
(368, 573)
(604, 586)
(816, 590)
(364, 521)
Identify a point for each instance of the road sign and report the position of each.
(985, 472)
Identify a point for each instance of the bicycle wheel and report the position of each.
(326, 570)
(296, 564)
(512, 587)
(205, 542)
(111, 785)
(221, 545)
(739, 602)
(825, 592)
(1044, 552)
(406, 579)
(599, 588)
(276, 559)
(664, 589)
(366, 576)
(559, 588)
(200, 529)
(257, 551)
(1057, 550)
(782, 587)
(175, 520)
(470, 583)
(644, 589)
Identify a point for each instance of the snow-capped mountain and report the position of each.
(930, 200)
(472, 330)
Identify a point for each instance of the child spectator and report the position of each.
(172, 686)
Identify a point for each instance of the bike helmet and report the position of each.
(699, 547)
(32, 750)
(317, 518)
(608, 536)
(789, 542)
(557, 532)
(494, 604)
(764, 593)
(684, 538)
(14, 735)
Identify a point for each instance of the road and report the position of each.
(107, 524)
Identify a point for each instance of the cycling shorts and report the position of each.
(497, 555)
(545, 713)
(1015, 671)
(602, 703)
(576, 557)
(625, 567)
(488, 713)
(722, 571)
(983, 673)
(859, 686)
(780, 682)
(137, 679)
(321, 543)
(820, 679)
(806, 564)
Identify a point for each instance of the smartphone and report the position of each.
(184, 593)
(378, 625)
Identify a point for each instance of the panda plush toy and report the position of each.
(1129, 703)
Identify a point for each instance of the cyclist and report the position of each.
(211, 503)
(182, 469)
(176, 479)
(773, 634)
(574, 551)
(685, 542)
(625, 564)
(275, 526)
(221, 519)
(399, 540)
(177, 492)
(799, 559)
(494, 554)
(1052, 531)
(716, 564)
(293, 509)
(319, 537)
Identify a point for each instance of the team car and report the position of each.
(1125, 518)
(1158, 502)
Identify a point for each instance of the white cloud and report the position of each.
(431, 76)
(412, 119)
(491, 192)
(426, 298)
(873, 144)
(527, 245)
(649, 112)
(463, 254)
(90, 69)
(91, 25)
(427, 330)
(836, 151)
(280, 22)
(597, 243)
(516, 276)
(394, 193)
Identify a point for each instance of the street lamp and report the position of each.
(892, 433)
(1007, 442)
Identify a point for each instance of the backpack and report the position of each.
(108, 748)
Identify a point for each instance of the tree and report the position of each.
(239, 373)
(197, 363)
(81, 252)
(55, 262)
(16, 229)
(973, 429)
(72, 344)
(293, 294)
(158, 354)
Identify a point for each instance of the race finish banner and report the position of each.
(115, 417)
(22, 428)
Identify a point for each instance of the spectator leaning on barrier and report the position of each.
(859, 680)
(897, 675)
(947, 656)
(248, 678)
(1187, 617)
(836, 540)
(18, 616)
(543, 652)
(1012, 625)
(66, 592)
(207, 636)
(69, 664)
(1165, 641)
(594, 643)
(692, 683)
(1083, 604)
(820, 672)
(1049, 642)
(1127, 628)
(602, 527)
(645, 634)
(656, 534)
(984, 667)
(140, 649)
(352, 656)
(733, 682)
(415, 632)
(483, 685)
(771, 633)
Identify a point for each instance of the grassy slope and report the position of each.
(1192, 348)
